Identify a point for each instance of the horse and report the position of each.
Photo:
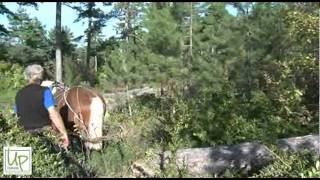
(81, 109)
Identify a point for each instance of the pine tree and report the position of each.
(96, 21)
(67, 43)
(215, 45)
(164, 45)
(27, 36)
(5, 11)
(130, 45)
(27, 31)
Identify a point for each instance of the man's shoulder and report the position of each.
(22, 89)
(32, 88)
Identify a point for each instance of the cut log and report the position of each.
(297, 144)
(215, 160)
(245, 157)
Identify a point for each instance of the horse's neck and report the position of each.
(59, 96)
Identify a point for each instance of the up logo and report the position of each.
(17, 160)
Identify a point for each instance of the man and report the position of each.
(35, 105)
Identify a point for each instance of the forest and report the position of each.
(223, 79)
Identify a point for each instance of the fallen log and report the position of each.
(245, 157)
(215, 160)
(309, 143)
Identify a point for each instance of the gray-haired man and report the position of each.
(35, 105)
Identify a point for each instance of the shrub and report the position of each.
(48, 159)
(11, 80)
(289, 165)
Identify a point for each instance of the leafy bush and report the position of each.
(289, 165)
(11, 80)
(131, 138)
(312, 172)
(11, 76)
(113, 161)
(212, 117)
(72, 73)
(48, 159)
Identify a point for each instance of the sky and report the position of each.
(46, 14)
(47, 11)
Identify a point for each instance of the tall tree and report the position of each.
(96, 21)
(183, 15)
(69, 49)
(130, 42)
(67, 43)
(164, 45)
(58, 43)
(215, 45)
(5, 11)
(27, 36)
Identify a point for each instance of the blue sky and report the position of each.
(46, 14)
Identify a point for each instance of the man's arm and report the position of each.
(54, 114)
(57, 120)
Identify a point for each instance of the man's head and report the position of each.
(33, 73)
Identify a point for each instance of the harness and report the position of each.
(77, 116)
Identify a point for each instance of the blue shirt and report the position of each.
(48, 100)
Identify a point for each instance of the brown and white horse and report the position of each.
(82, 108)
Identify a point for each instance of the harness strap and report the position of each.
(76, 115)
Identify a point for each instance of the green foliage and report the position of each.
(17, 54)
(132, 138)
(172, 170)
(290, 165)
(29, 31)
(163, 37)
(73, 73)
(48, 160)
(5, 11)
(11, 76)
(96, 21)
(11, 80)
(68, 48)
(313, 172)
(253, 76)
(28, 40)
(113, 161)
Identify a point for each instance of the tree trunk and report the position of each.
(126, 36)
(89, 35)
(190, 29)
(95, 63)
(58, 43)
(88, 44)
